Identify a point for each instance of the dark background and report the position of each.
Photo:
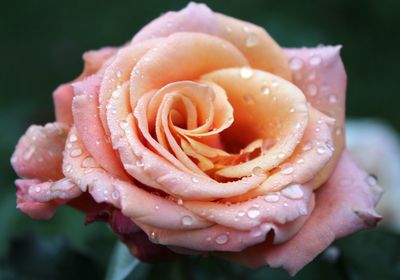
(41, 43)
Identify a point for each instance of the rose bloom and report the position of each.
(202, 135)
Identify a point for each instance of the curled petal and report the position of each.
(320, 74)
(62, 97)
(89, 127)
(344, 204)
(39, 152)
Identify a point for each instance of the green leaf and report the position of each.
(123, 264)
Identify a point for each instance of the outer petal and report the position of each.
(40, 200)
(345, 204)
(39, 152)
(253, 41)
(320, 74)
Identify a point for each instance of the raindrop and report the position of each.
(68, 167)
(115, 195)
(281, 155)
(332, 99)
(248, 99)
(73, 138)
(221, 239)
(287, 169)
(293, 191)
(139, 163)
(28, 154)
(265, 90)
(253, 213)
(307, 146)
(292, 110)
(251, 40)
(187, 220)
(37, 189)
(89, 162)
(119, 74)
(195, 180)
(274, 83)
(312, 89)
(241, 213)
(76, 152)
(246, 73)
(315, 60)
(258, 171)
(371, 180)
(116, 94)
(123, 125)
(295, 63)
(179, 201)
(271, 197)
(300, 161)
(321, 150)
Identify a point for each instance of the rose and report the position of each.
(207, 136)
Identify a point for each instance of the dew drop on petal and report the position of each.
(115, 195)
(293, 191)
(75, 152)
(89, 162)
(221, 239)
(332, 99)
(271, 197)
(307, 146)
(312, 89)
(29, 153)
(195, 180)
(257, 171)
(295, 64)
(73, 138)
(265, 90)
(371, 180)
(253, 213)
(315, 60)
(37, 189)
(241, 213)
(246, 72)
(287, 169)
(251, 40)
(321, 150)
(179, 201)
(187, 220)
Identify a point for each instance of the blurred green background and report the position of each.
(41, 47)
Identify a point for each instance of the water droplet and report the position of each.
(139, 163)
(300, 161)
(274, 83)
(156, 207)
(38, 189)
(285, 204)
(281, 155)
(228, 28)
(73, 138)
(295, 63)
(115, 195)
(221, 239)
(330, 146)
(332, 99)
(292, 110)
(338, 132)
(331, 254)
(321, 150)
(312, 89)
(265, 90)
(248, 99)
(179, 201)
(246, 72)
(123, 125)
(371, 180)
(287, 169)
(98, 142)
(195, 180)
(253, 213)
(119, 74)
(241, 213)
(312, 76)
(256, 232)
(317, 129)
(153, 236)
(75, 152)
(315, 60)
(29, 153)
(271, 197)
(307, 146)
(89, 162)
(258, 171)
(251, 40)
(116, 94)
(187, 220)
(293, 191)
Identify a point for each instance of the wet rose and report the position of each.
(203, 135)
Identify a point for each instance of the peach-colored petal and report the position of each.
(320, 74)
(89, 127)
(133, 201)
(254, 42)
(62, 97)
(308, 159)
(265, 106)
(119, 71)
(345, 204)
(153, 170)
(182, 56)
(224, 239)
(274, 207)
(39, 152)
(94, 60)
